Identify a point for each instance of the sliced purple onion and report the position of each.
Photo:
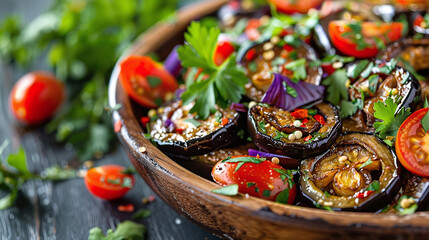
(172, 63)
(169, 125)
(306, 93)
(238, 107)
(284, 161)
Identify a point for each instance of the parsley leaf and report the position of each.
(425, 122)
(283, 197)
(242, 160)
(125, 230)
(390, 122)
(225, 83)
(230, 190)
(298, 68)
(374, 186)
(373, 82)
(336, 84)
(356, 69)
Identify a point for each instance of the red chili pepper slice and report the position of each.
(251, 54)
(320, 119)
(144, 121)
(308, 138)
(224, 121)
(363, 194)
(304, 122)
(300, 113)
(179, 130)
(126, 208)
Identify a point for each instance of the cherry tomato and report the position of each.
(295, 6)
(146, 81)
(412, 144)
(223, 50)
(108, 181)
(35, 97)
(386, 32)
(260, 180)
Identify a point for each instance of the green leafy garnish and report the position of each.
(336, 86)
(192, 121)
(266, 193)
(390, 122)
(327, 194)
(283, 197)
(368, 162)
(230, 190)
(373, 82)
(405, 211)
(374, 186)
(262, 127)
(126, 230)
(242, 160)
(142, 213)
(299, 69)
(355, 70)
(224, 83)
(331, 59)
(249, 184)
(388, 67)
(323, 207)
(411, 69)
(425, 122)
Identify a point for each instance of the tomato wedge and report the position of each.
(412, 144)
(146, 81)
(223, 50)
(262, 180)
(295, 6)
(108, 181)
(359, 39)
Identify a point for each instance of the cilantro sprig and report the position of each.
(224, 83)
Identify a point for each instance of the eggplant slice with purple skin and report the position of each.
(412, 54)
(378, 80)
(359, 173)
(177, 133)
(261, 60)
(270, 128)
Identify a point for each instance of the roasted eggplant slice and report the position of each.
(298, 134)
(376, 81)
(177, 133)
(261, 60)
(412, 54)
(358, 173)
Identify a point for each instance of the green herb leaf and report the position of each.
(126, 230)
(153, 81)
(390, 122)
(283, 197)
(373, 82)
(192, 121)
(57, 173)
(389, 66)
(348, 109)
(299, 69)
(425, 122)
(374, 186)
(142, 213)
(19, 161)
(336, 86)
(262, 127)
(249, 184)
(355, 70)
(323, 207)
(327, 194)
(243, 160)
(230, 190)
(368, 162)
(266, 193)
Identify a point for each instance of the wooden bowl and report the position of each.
(235, 217)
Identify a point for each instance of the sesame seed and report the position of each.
(268, 55)
(297, 123)
(342, 159)
(151, 113)
(328, 204)
(252, 104)
(395, 91)
(275, 40)
(160, 110)
(291, 137)
(268, 46)
(298, 134)
(275, 160)
(142, 149)
(337, 65)
(267, 125)
(169, 96)
(270, 186)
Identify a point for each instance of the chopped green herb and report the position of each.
(230, 190)
(373, 82)
(425, 122)
(266, 193)
(374, 186)
(283, 197)
(127, 182)
(426, 103)
(242, 160)
(411, 69)
(327, 194)
(114, 181)
(154, 81)
(388, 67)
(125, 230)
(249, 184)
(405, 211)
(298, 68)
(290, 90)
(322, 207)
(336, 86)
(262, 127)
(256, 189)
(368, 162)
(192, 121)
(252, 66)
(143, 213)
(355, 70)
(368, 70)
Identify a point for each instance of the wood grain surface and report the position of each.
(66, 210)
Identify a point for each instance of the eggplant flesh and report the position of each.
(195, 137)
(353, 163)
(266, 131)
(260, 67)
(399, 83)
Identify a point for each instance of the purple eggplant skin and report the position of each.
(202, 145)
(378, 200)
(294, 150)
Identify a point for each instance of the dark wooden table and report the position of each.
(66, 210)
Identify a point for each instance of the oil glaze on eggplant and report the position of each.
(298, 149)
(352, 151)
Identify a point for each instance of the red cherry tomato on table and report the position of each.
(35, 97)
(260, 180)
(146, 81)
(108, 182)
(412, 144)
(295, 6)
(386, 32)
(223, 50)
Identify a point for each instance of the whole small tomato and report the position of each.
(108, 181)
(257, 177)
(35, 97)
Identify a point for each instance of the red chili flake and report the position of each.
(304, 122)
(179, 130)
(288, 47)
(126, 208)
(320, 119)
(250, 55)
(308, 138)
(144, 120)
(151, 198)
(118, 126)
(363, 194)
(224, 121)
(300, 113)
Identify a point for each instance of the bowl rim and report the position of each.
(153, 158)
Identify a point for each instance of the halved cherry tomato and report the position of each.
(295, 6)
(223, 50)
(146, 81)
(108, 181)
(412, 144)
(35, 97)
(386, 32)
(260, 180)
